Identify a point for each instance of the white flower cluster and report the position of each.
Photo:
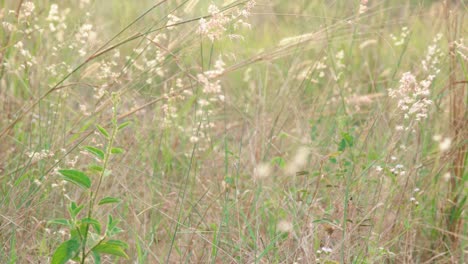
(412, 95)
(363, 7)
(85, 36)
(212, 85)
(462, 49)
(433, 56)
(398, 41)
(27, 9)
(30, 60)
(56, 21)
(215, 26)
(37, 156)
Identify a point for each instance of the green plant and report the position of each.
(87, 236)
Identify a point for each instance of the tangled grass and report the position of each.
(256, 131)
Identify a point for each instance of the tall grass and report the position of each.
(259, 131)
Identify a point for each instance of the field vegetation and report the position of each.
(233, 131)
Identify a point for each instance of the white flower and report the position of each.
(445, 144)
(284, 226)
(262, 171)
(28, 9)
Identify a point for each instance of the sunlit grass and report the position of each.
(274, 142)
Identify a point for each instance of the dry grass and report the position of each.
(295, 150)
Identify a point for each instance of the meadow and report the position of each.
(233, 131)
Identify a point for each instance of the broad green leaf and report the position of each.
(59, 221)
(108, 200)
(117, 150)
(95, 223)
(65, 251)
(103, 131)
(76, 177)
(95, 151)
(110, 247)
(123, 125)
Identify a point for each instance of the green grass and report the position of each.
(280, 171)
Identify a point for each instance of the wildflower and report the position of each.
(215, 26)
(37, 182)
(37, 156)
(398, 170)
(378, 168)
(299, 160)
(28, 9)
(411, 97)
(447, 176)
(445, 144)
(462, 49)
(8, 26)
(53, 13)
(403, 35)
(363, 7)
(194, 139)
(262, 171)
(284, 226)
(172, 20)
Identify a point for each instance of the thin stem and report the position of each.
(93, 196)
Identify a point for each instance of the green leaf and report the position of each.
(123, 125)
(117, 150)
(342, 145)
(108, 200)
(95, 151)
(95, 223)
(74, 209)
(95, 168)
(76, 177)
(279, 161)
(59, 221)
(349, 139)
(112, 228)
(103, 131)
(65, 251)
(112, 247)
(97, 258)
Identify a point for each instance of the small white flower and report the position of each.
(447, 176)
(37, 182)
(285, 226)
(262, 171)
(445, 144)
(194, 139)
